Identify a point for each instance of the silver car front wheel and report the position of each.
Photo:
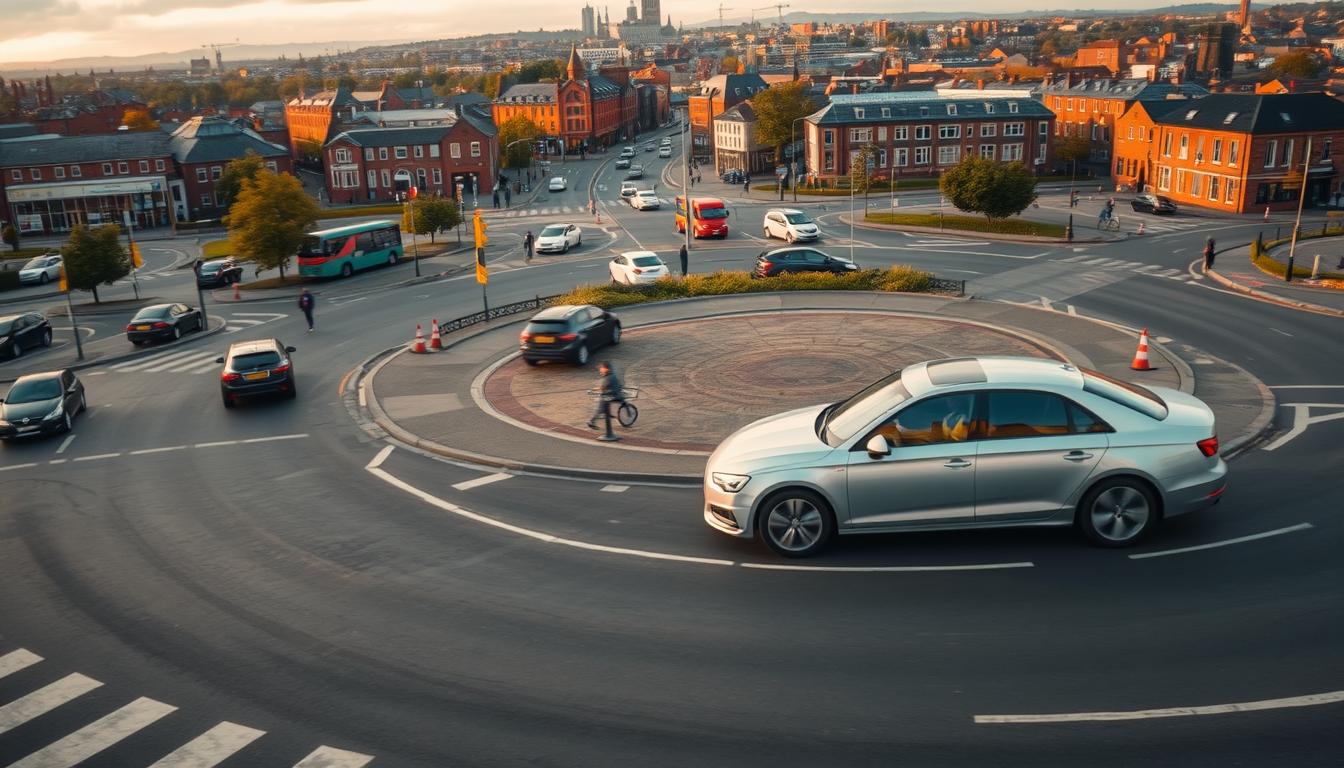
(1118, 513)
(796, 523)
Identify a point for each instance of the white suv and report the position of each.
(790, 224)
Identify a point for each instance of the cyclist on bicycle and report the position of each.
(1107, 212)
(609, 391)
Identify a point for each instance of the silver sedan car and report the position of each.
(981, 442)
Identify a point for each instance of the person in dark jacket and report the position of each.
(528, 241)
(1208, 254)
(306, 303)
(684, 259)
(609, 391)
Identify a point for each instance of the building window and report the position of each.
(923, 111)
(387, 178)
(76, 172)
(1181, 177)
(107, 169)
(988, 129)
(433, 150)
(829, 160)
(1288, 152)
(144, 166)
(1228, 195)
(949, 155)
(16, 175)
(343, 155)
(216, 172)
(1014, 129)
(455, 150)
(123, 168)
(858, 113)
(952, 110)
(345, 179)
(419, 150)
(1213, 188)
(860, 135)
(1043, 128)
(368, 154)
(949, 131)
(882, 133)
(1094, 132)
(1129, 133)
(399, 152)
(475, 149)
(900, 133)
(1325, 147)
(1217, 151)
(1057, 100)
(202, 175)
(1164, 177)
(1166, 143)
(437, 173)
(1197, 185)
(1011, 153)
(881, 158)
(1070, 105)
(382, 153)
(987, 151)
(989, 108)
(1012, 107)
(1232, 147)
(886, 111)
(921, 155)
(1184, 154)
(1041, 149)
(59, 172)
(902, 157)
(923, 132)
(1271, 152)
(373, 179)
(36, 173)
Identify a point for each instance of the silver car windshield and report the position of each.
(849, 416)
(554, 230)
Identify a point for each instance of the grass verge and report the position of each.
(1267, 263)
(900, 279)
(969, 223)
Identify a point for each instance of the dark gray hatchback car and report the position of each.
(252, 368)
(568, 333)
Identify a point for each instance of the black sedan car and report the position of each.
(218, 273)
(23, 331)
(1146, 203)
(41, 404)
(252, 368)
(163, 321)
(782, 260)
(568, 333)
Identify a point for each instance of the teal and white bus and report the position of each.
(344, 250)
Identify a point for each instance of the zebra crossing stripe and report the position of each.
(1146, 268)
(145, 362)
(1167, 273)
(16, 660)
(1094, 262)
(1074, 258)
(45, 699)
(202, 366)
(187, 360)
(211, 748)
(98, 735)
(330, 757)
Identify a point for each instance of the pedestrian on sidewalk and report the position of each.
(684, 258)
(609, 391)
(1208, 254)
(1073, 199)
(306, 303)
(508, 197)
(528, 240)
(496, 196)
(746, 185)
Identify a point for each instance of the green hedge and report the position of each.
(901, 279)
(1302, 262)
(970, 223)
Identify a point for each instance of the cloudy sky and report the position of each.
(43, 30)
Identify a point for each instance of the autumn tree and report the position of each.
(136, 119)
(729, 64)
(95, 257)
(10, 236)
(432, 215)
(269, 219)
(1073, 149)
(518, 128)
(230, 183)
(980, 185)
(1297, 64)
(776, 109)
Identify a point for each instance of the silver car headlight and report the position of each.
(728, 482)
(55, 412)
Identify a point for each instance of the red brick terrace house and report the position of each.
(362, 163)
(202, 147)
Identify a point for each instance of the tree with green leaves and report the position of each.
(980, 185)
(432, 215)
(860, 178)
(777, 107)
(269, 219)
(10, 235)
(1073, 149)
(95, 257)
(1297, 64)
(230, 183)
(518, 128)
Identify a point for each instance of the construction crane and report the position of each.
(722, 8)
(219, 60)
(779, 7)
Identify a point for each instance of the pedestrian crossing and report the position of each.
(194, 360)
(212, 747)
(1137, 267)
(242, 321)
(565, 210)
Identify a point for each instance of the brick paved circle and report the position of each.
(702, 379)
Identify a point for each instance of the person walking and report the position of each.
(528, 240)
(685, 257)
(306, 303)
(1208, 254)
(496, 197)
(508, 197)
(609, 391)
(746, 185)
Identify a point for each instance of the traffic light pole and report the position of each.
(130, 238)
(70, 307)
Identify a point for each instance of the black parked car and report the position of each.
(568, 333)
(218, 273)
(25, 331)
(41, 404)
(1146, 203)
(163, 321)
(781, 260)
(252, 368)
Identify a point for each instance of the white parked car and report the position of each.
(629, 188)
(559, 238)
(665, 150)
(41, 270)
(634, 267)
(644, 200)
(557, 184)
(790, 224)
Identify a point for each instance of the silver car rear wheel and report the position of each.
(1118, 513)
(796, 523)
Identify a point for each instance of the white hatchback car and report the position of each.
(790, 225)
(41, 270)
(665, 150)
(644, 200)
(634, 267)
(628, 189)
(559, 238)
(557, 184)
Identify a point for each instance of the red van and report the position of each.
(710, 216)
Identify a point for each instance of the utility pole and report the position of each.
(135, 256)
(1301, 200)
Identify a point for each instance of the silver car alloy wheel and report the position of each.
(1120, 513)
(794, 524)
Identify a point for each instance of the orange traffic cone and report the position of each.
(1141, 355)
(418, 346)
(236, 295)
(435, 343)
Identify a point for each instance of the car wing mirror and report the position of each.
(219, 360)
(290, 349)
(877, 447)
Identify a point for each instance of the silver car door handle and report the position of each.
(957, 464)
(1077, 456)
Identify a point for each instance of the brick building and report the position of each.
(717, 94)
(362, 164)
(311, 120)
(202, 147)
(1110, 54)
(1090, 106)
(735, 143)
(920, 133)
(1238, 153)
(582, 109)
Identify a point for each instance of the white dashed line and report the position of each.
(615, 488)
(18, 466)
(298, 436)
(380, 458)
(70, 438)
(1312, 700)
(1223, 543)
(884, 568)
(164, 449)
(467, 485)
(215, 444)
(97, 456)
(57, 461)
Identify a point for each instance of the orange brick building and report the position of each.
(1102, 53)
(599, 109)
(311, 118)
(1238, 153)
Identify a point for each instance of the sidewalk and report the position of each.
(477, 402)
(1234, 270)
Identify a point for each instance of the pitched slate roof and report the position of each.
(924, 106)
(394, 137)
(98, 148)
(1258, 113)
(529, 93)
(217, 139)
(741, 113)
(1129, 88)
(603, 87)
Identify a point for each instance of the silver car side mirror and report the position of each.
(877, 446)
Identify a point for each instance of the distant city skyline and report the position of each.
(47, 30)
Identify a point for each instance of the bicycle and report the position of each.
(626, 413)
(1111, 223)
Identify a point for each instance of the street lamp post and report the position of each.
(793, 165)
(1301, 199)
(405, 175)
(686, 177)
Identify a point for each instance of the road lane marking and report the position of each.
(57, 461)
(380, 458)
(164, 449)
(98, 735)
(1312, 700)
(1276, 330)
(467, 485)
(330, 757)
(18, 466)
(1302, 419)
(215, 444)
(45, 699)
(16, 660)
(65, 443)
(210, 748)
(1307, 386)
(884, 568)
(273, 438)
(1223, 543)
(614, 488)
(97, 456)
